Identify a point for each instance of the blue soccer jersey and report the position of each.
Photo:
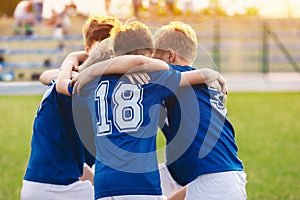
(57, 154)
(125, 119)
(200, 139)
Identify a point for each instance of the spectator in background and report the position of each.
(38, 10)
(170, 6)
(1, 59)
(107, 6)
(137, 4)
(24, 17)
(61, 20)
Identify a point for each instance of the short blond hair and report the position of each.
(178, 36)
(133, 38)
(102, 51)
(98, 28)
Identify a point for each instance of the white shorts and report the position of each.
(78, 190)
(225, 185)
(134, 197)
(168, 184)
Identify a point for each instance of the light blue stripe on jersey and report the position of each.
(199, 136)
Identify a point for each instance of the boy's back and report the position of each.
(52, 130)
(125, 120)
(205, 138)
(126, 116)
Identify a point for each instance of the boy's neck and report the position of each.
(181, 63)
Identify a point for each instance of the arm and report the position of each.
(125, 64)
(141, 77)
(88, 174)
(179, 195)
(47, 76)
(202, 76)
(119, 65)
(65, 74)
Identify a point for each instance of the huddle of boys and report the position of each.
(123, 117)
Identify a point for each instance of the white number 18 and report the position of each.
(127, 108)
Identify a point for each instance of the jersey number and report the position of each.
(127, 108)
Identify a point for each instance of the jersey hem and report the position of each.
(209, 171)
(119, 193)
(54, 182)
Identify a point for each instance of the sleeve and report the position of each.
(82, 115)
(70, 88)
(166, 81)
(88, 157)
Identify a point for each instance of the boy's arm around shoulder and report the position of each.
(47, 76)
(119, 65)
(179, 195)
(203, 76)
(65, 74)
(125, 64)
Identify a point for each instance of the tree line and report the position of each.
(7, 7)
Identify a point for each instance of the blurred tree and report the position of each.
(8, 7)
(215, 9)
(214, 5)
(252, 11)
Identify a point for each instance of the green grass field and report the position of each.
(267, 132)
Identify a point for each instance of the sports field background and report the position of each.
(267, 133)
(266, 123)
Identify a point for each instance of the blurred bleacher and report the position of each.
(239, 42)
(26, 57)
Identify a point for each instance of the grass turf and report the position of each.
(267, 133)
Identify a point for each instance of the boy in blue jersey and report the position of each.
(111, 180)
(126, 118)
(57, 154)
(201, 151)
(126, 124)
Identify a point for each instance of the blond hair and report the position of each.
(102, 51)
(98, 28)
(178, 36)
(133, 38)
